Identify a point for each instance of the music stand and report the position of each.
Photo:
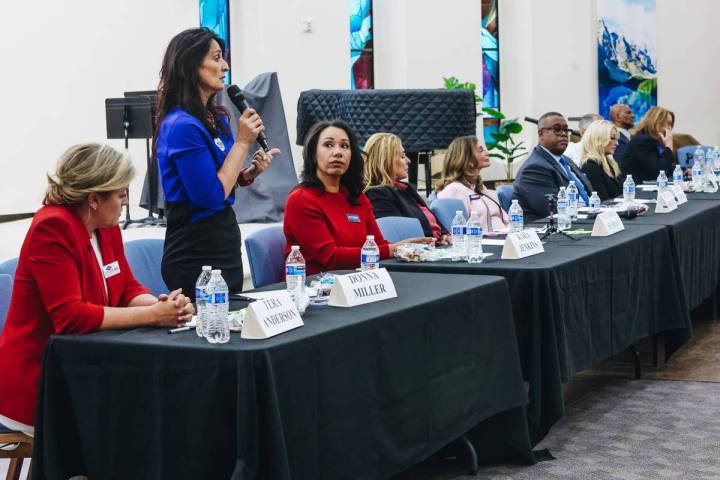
(133, 117)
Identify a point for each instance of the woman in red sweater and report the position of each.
(327, 215)
(72, 276)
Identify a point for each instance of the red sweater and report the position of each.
(58, 288)
(329, 230)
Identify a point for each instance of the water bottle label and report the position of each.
(458, 230)
(516, 218)
(294, 270)
(199, 294)
(474, 231)
(219, 297)
(365, 258)
(629, 189)
(562, 204)
(572, 196)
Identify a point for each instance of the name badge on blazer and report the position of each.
(111, 269)
(475, 196)
(353, 217)
(220, 144)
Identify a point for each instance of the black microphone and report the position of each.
(238, 99)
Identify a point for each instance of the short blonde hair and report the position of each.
(87, 168)
(459, 154)
(594, 142)
(381, 150)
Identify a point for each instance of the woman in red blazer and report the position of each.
(327, 215)
(72, 276)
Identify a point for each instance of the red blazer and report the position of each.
(329, 231)
(58, 288)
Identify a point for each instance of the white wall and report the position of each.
(60, 61)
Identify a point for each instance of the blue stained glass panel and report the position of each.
(215, 15)
(361, 44)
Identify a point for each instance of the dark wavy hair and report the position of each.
(352, 179)
(180, 80)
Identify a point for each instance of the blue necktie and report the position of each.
(578, 182)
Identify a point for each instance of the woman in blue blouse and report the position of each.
(200, 162)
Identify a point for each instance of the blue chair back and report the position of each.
(444, 210)
(145, 257)
(432, 197)
(395, 229)
(505, 193)
(6, 282)
(686, 155)
(8, 267)
(266, 255)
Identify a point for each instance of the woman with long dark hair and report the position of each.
(327, 215)
(200, 162)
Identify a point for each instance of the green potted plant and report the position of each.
(504, 146)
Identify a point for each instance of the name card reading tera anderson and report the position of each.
(666, 202)
(606, 224)
(271, 316)
(521, 244)
(362, 287)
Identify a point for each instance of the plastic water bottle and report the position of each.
(572, 194)
(370, 254)
(595, 202)
(216, 328)
(678, 176)
(698, 169)
(458, 236)
(201, 299)
(517, 217)
(662, 181)
(629, 190)
(563, 216)
(716, 158)
(473, 238)
(295, 274)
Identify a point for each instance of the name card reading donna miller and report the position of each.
(521, 244)
(270, 316)
(361, 288)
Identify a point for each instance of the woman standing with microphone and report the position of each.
(200, 162)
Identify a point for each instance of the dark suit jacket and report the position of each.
(623, 142)
(643, 161)
(393, 202)
(606, 187)
(541, 174)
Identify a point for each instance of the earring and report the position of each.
(94, 206)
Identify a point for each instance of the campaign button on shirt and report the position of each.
(220, 144)
(111, 269)
(353, 217)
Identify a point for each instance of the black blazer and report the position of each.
(541, 174)
(623, 142)
(607, 187)
(642, 160)
(394, 202)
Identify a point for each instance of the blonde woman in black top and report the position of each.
(596, 160)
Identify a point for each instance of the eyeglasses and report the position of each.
(558, 130)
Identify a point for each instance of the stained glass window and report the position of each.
(491, 64)
(215, 15)
(361, 45)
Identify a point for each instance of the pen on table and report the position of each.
(181, 329)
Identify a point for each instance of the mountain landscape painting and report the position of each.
(627, 55)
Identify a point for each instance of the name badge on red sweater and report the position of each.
(353, 217)
(111, 269)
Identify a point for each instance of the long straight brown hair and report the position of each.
(459, 154)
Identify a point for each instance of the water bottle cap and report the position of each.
(295, 248)
(514, 201)
(458, 212)
(216, 271)
(206, 268)
(594, 192)
(370, 237)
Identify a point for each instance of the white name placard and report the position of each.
(679, 194)
(606, 224)
(361, 287)
(665, 202)
(270, 316)
(711, 183)
(521, 244)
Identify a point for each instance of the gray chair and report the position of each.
(396, 229)
(505, 194)
(145, 257)
(444, 210)
(266, 255)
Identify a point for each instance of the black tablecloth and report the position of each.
(581, 302)
(356, 393)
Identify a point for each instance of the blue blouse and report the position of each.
(189, 159)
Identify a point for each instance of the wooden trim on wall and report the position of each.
(15, 216)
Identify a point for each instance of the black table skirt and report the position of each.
(359, 393)
(581, 302)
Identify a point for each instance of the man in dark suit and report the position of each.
(547, 169)
(623, 118)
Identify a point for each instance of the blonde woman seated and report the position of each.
(386, 166)
(596, 159)
(461, 180)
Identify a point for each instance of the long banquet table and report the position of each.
(359, 393)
